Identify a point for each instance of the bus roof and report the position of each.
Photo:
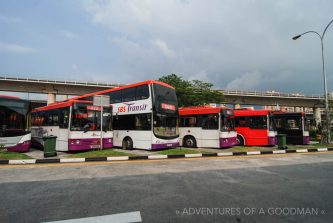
(199, 110)
(124, 87)
(9, 97)
(61, 104)
(248, 112)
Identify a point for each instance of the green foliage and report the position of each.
(192, 93)
(4, 155)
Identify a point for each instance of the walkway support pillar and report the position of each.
(51, 98)
(317, 116)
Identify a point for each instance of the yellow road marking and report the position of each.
(154, 160)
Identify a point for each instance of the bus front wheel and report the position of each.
(127, 143)
(240, 141)
(189, 142)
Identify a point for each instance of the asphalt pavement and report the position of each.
(286, 188)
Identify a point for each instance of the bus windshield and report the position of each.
(227, 120)
(88, 118)
(165, 99)
(165, 119)
(166, 126)
(14, 116)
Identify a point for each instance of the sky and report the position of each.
(234, 44)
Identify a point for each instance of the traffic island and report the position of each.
(158, 156)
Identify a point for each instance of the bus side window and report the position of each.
(210, 121)
(129, 94)
(63, 118)
(142, 92)
(241, 121)
(115, 97)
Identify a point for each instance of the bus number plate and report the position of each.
(169, 145)
(95, 146)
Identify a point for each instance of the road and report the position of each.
(272, 188)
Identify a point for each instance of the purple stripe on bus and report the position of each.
(88, 144)
(20, 147)
(164, 145)
(228, 142)
(272, 140)
(306, 140)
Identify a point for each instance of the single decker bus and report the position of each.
(145, 115)
(76, 123)
(206, 126)
(14, 124)
(294, 125)
(255, 127)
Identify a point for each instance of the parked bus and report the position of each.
(255, 127)
(294, 125)
(14, 124)
(145, 115)
(206, 126)
(76, 123)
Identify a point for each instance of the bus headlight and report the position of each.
(77, 141)
(110, 140)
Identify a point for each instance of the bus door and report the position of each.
(210, 130)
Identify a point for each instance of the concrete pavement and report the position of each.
(286, 188)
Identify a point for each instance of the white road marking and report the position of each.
(279, 151)
(72, 160)
(158, 157)
(28, 161)
(225, 154)
(253, 153)
(117, 158)
(193, 155)
(128, 217)
(322, 149)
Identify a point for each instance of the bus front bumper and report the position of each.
(164, 145)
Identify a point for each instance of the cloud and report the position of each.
(248, 81)
(163, 47)
(14, 48)
(201, 75)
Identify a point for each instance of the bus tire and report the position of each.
(189, 142)
(240, 141)
(127, 143)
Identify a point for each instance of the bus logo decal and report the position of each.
(131, 107)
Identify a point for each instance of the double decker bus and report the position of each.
(294, 125)
(255, 127)
(145, 115)
(76, 123)
(206, 126)
(14, 124)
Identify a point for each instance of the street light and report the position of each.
(328, 126)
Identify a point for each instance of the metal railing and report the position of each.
(270, 94)
(225, 92)
(86, 83)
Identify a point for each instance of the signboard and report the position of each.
(168, 107)
(93, 108)
(101, 100)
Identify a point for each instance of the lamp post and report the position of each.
(328, 126)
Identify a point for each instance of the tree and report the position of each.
(192, 93)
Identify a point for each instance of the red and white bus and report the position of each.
(255, 127)
(145, 115)
(206, 126)
(294, 125)
(76, 123)
(14, 124)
